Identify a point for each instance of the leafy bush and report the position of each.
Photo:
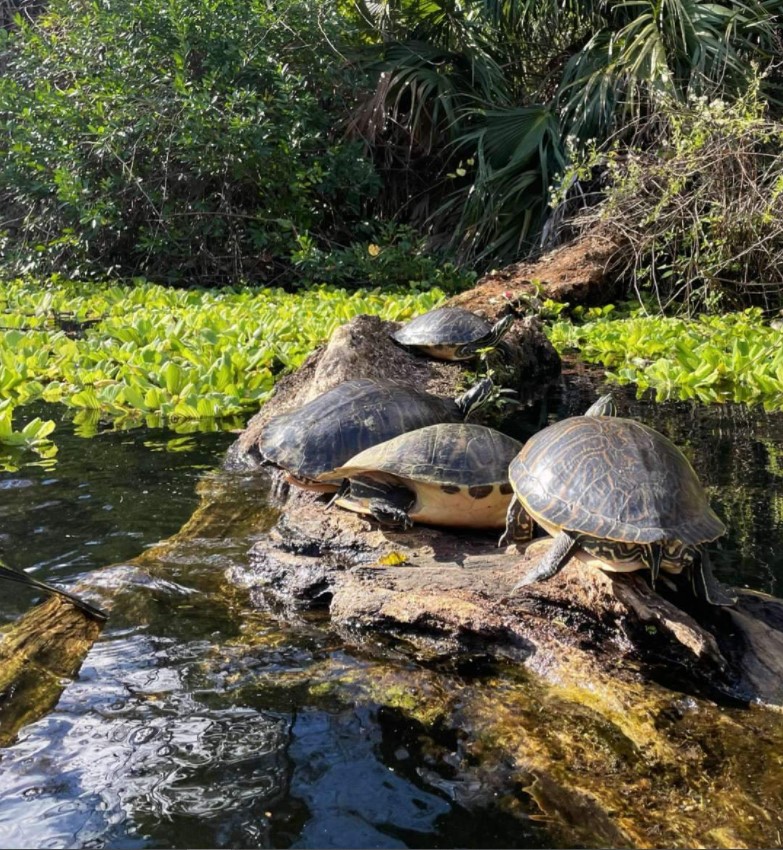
(701, 206)
(180, 139)
(399, 258)
(485, 95)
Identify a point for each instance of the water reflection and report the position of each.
(131, 755)
(353, 800)
(196, 722)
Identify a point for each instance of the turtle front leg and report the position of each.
(388, 501)
(705, 585)
(519, 525)
(342, 491)
(550, 564)
(388, 513)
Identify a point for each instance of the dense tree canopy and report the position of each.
(220, 140)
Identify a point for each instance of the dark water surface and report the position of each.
(196, 722)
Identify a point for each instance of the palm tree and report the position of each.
(488, 92)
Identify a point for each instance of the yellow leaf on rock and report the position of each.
(392, 559)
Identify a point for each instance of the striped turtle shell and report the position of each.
(613, 479)
(444, 326)
(353, 416)
(457, 455)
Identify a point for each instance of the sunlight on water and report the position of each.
(196, 722)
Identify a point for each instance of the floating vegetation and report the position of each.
(191, 359)
(734, 357)
(34, 437)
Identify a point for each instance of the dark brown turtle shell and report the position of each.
(613, 479)
(344, 421)
(444, 326)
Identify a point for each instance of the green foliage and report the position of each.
(33, 437)
(399, 258)
(703, 208)
(180, 139)
(735, 357)
(230, 140)
(492, 95)
(185, 358)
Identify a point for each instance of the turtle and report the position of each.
(451, 333)
(453, 474)
(351, 417)
(619, 490)
(22, 578)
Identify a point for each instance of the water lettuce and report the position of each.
(186, 358)
(735, 357)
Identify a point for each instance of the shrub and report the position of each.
(180, 139)
(399, 258)
(701, 205)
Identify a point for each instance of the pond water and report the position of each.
(197, 722)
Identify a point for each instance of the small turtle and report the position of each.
(451, 333)
(351, 417)
(448, 474)
(619, 490)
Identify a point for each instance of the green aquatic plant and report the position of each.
(190, 359)
(735, 357)
(33, 437)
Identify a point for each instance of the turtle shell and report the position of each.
(613, 479)
(344, 421)
(457, 455)
(444, 326)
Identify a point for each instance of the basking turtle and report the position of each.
(353, 416)
(449, 474)
(451, 333)
(621, 491)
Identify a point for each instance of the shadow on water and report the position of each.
(197, 722)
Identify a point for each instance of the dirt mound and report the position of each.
(580, 272)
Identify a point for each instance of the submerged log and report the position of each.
(642, 725)
(37, 654)
(46, 647)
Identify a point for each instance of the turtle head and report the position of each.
(474, 397)
(489, 340)
(605, 406)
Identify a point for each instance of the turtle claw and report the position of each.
(343, 490)
(390, 515)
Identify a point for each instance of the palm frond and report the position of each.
(517, 153)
